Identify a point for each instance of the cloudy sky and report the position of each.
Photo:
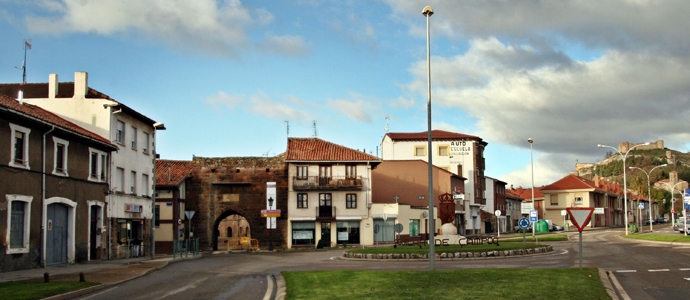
(225, 76)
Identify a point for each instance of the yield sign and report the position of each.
(580, 216)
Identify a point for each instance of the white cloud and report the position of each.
(223, 99)
(259, 104)
(287, 45)
(357, 108)
(547, 169)
(209, 26)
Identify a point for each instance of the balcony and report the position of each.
(325, 213)
(317, 183)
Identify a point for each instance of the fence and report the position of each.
(185, 247)
(237, 244)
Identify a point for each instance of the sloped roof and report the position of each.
(38, 113)
(315, 149)
(570, 182)
(65, 90)
(526, 194)
(514, 194)
(173, 172)
(435, 135)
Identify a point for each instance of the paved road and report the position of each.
(646, 271)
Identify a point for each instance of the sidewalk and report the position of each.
(107, 272)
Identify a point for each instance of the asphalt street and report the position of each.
(644, 270)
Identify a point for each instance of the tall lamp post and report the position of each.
(673, 203)
(270, 226)
(625, 183)
(649, 192)
(428, 12)
(531, 157)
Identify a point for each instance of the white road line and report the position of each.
(94, 295)
(269, 288)
(684, 269)
(659, 270)
(626, 271)
(688, 279)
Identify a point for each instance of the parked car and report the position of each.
(678, 226)
(557, 227)
(661, 220)
(646, 222)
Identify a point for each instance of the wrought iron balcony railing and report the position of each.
(327, 183)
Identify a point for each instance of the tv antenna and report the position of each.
(27, 46)
(287, 125)
(315, 135)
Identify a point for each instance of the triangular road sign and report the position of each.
(580, 216)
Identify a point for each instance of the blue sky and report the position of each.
(224, 76)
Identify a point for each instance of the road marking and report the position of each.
(94, 295)
(685, 269)
(269, 288)
(659, 270)
(688, 279)
(182, 289)
(626, 271)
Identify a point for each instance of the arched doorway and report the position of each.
(229, 226)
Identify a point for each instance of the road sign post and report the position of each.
(686, 204)
(580, 217)
(498, 222)
(533, 217)
(524, 224)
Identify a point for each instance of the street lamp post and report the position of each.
(649, 193)
(270, 226)
(531, 157)
(673, 205)
(625, 183)
(428, 12)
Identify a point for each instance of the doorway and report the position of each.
(56, 236)
(326, 234)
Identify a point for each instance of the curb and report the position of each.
(282, 287)
(455, 256)
(654, 242)
(89, 290)
(606, 281)
(619, 288)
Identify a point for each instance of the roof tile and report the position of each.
(315, 149)
(173, 172)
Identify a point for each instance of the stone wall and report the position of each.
(226, 186)
(625, 146)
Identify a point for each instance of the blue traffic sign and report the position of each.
(533, 216)
(641, 206)
(523, 223)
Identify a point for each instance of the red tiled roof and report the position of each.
(514, 194)
(173, 172)
(570, 182)
(435, 135)
(315, 149)
(526, 194)
(46, 116)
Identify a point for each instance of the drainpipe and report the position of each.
(42, 257)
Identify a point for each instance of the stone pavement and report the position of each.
(107, 272)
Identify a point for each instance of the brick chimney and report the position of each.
(81, 84)
(596, 181)
(459, 170)
(52, 86)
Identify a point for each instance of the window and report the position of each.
(134, 138)
(133, 181)
(120, 180)
(147, 141)
(18, 216)
(443, 150)
(419, 150)
(20, 146)
(60, 154)
(303, 233)
(302, 201)
(145, 185)
(348, 232)
(97, 165)
(157, 216)
(554, 200)
(325, 200)
(578, 200)
(350, 171)
(302, 172)
(120, 138)
(351, 201)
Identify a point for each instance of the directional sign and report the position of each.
(580, 216)
(523, 223)
(597, 211)
(533, 216)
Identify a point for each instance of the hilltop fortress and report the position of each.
(624, 146)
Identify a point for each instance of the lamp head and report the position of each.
(664, 165)
(600, 146)
(427, 12)
(270, 201)
(646, 144)
(530, 140)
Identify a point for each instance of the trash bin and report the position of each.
(567, 227)
(633, 227)
(542, 226)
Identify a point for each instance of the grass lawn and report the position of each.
(446, 249)
(660, 237)
(546, 238)
(39, 290)
(456, 284)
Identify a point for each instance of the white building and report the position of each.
(458, 153)
(130, 174)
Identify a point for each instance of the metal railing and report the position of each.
(185, 247)
(327, 183)
(236, 244)
(325, 212)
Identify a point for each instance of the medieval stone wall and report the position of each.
(625, 146)
(222, 187)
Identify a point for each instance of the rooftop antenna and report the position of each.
(387, 118)
(27, 46)
(287, 125)
(315, 135)
(266, 153)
